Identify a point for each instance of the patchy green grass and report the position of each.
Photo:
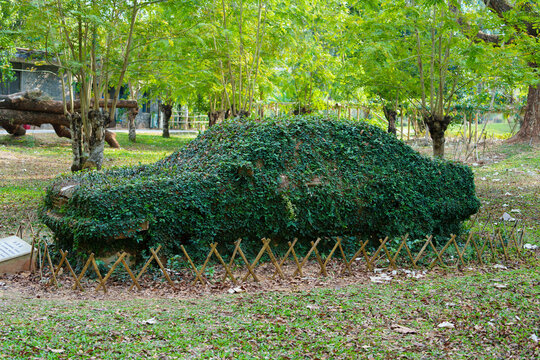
(495, 315)
(512, 185)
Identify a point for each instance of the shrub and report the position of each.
(288, 177)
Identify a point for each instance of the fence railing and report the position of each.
(477, 247)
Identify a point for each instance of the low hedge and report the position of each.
(286, 177)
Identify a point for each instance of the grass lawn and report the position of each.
(493, 313)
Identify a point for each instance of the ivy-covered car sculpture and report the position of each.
(303, 177)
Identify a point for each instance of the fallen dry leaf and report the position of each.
(403, 329)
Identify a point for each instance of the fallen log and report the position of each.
(32, 101)
(12, 121)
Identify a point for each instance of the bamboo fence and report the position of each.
(478, 248)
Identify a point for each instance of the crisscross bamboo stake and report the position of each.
(400, 247)
(126, 266)
(419, 255)
(257, 258)
(319, 260)
(518, 247)
(160, 264)
(373, 258)
(58, 267)
(84, 269)
(512, 237)
(390, 258)
(77, 283)
(439, 254)
(327, 260)
(460, 254)
(101, 279)
(108, 275)
(477, 251)
(436, 253)
(345, 261)
(146, 264)
(197, 276)
(227, 270)
(273, 258)
(304, 260)
(231, 262)
(356, 254)
(50, 264)
(246, 261)
(505, 248)
(291, 246)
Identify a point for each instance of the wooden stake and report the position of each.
(428, 240)
(259, 255)
(227, 271)
(338, 242)
(319, 260)
(197, 276)
(50, 263)
(85, 268)
(304, 260)
(126, 266)
(286, 255)
(77, 283)
(374, 257)
(143, 270)
(345, 261)
(356, 254)
(118, 261)
(96, 269)
(434, 261)
(273, 259)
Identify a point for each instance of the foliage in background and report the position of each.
(299, 177)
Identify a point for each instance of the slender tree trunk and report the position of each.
(96, 141)
(437, 126)
(390, 115)
(530, 126)
(167, 113)
(76, 141)
(132, 114)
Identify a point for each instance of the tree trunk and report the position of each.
(391, 115)
(167, 112)
(437, 126)
(96, 141)
(76, 142)
(529, 130)
(13, 129)
(132, 135)
(62, 131)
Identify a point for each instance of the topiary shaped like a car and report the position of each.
(303, 177)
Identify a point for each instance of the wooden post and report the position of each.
(349, 109)
(408, 128)
(476, 130)
(401, 120)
